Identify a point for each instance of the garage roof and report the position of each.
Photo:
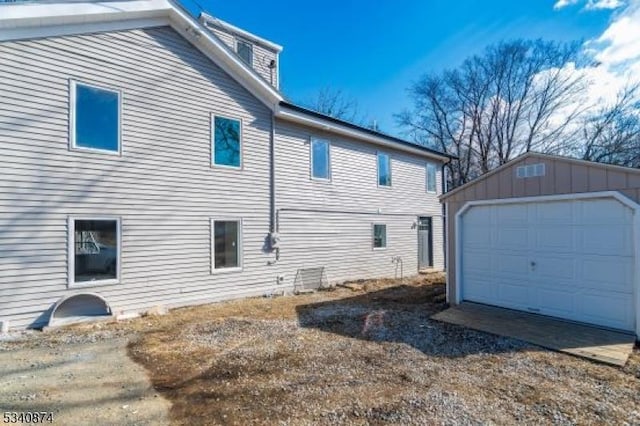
(541, 156)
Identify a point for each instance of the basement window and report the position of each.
(379, 236)
(226, 237)
(531, 170)
(94, 250)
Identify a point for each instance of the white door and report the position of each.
(570, 259)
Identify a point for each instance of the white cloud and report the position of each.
(603, 4)
(619, 44)
(616, 60)
(591, 4)
(564, 3)
(616, 56)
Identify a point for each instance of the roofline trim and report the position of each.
(23, 21)
(291, 112)
(207, 18)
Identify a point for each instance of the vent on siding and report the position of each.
(532, 170)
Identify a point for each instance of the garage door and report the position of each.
(569, 259)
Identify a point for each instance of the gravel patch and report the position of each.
(370, 356)
(373, 357)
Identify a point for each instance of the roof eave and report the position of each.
(290, 113)
(36, 20)
(206, 18)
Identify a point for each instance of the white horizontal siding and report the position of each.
(341, 242)
(162, 187)
(262, 56)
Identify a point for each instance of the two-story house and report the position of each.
(150, 159)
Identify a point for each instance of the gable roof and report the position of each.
(57, 18)
(541, 156)
(50, 18)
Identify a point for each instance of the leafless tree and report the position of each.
(334, 103)
(612, 133)
(517, 96)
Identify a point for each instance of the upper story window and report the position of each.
(431, 178)
(320, 159)
(227, 142)
(384, 169)
(95, 118)
(245, 51)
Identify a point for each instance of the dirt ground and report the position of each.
(370, 355)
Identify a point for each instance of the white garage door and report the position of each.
(569, 259)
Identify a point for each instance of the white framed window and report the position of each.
(94, 250)
(431, 178)
(384, 170)
(226, 141)
(245, 51)
(226, 245)
(379, 231)
(320, 159)
(531, 170)
(95, 118)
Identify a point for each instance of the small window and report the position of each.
(227, 142)
(379, 236)
(226, 237)
(384, 170)
(245, 51)
(431, 178)
(94, 250)
(320, 159)
(95, 118)
(531, 170)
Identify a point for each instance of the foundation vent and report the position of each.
(310, 279)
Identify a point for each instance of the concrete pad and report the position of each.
(582, 340)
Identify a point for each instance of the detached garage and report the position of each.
(549, 235)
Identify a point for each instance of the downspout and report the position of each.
(444, 212)
(444, 234)
(274, 238)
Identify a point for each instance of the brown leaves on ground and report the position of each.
(367, 357)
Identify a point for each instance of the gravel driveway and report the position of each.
(369, 356)
(91, 382)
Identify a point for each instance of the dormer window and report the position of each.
(245, 51)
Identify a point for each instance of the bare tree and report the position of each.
(516, 97)
(612, 133)
(334, 103)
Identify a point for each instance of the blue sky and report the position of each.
(373, 51)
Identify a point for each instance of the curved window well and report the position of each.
(79, 308)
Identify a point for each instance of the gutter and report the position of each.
(210, 19)
(297, 114)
